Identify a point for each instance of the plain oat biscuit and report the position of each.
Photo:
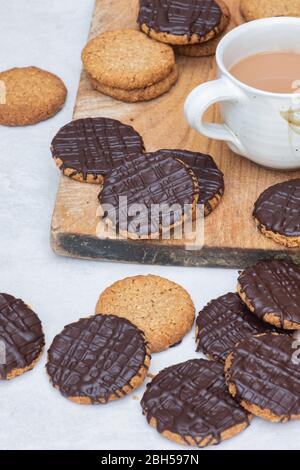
(159, 307)
(30, 95)
(139, 94)
(127, 59)
(255, 9)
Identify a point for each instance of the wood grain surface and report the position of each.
(231, 238)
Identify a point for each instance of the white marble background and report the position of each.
(51, 34)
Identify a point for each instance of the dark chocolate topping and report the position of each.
(95, 146)
(21, 335)
(148, 179)
(278, 208)
(273, 287)
(191, 400)
(96, 357)
(223, 323)
(180, 17)
(266, 375)
(210, 178)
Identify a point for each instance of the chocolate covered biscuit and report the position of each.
(88, 149)
(210, 178)
(223, 323)
(137, 196)
(189, 403)
(263, 375)
(271, 290)
(277, 213)
(98, 359)
(184, 21)
(21, 337)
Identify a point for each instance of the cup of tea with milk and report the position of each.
(258, 91)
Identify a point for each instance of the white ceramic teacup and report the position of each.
(262, 126)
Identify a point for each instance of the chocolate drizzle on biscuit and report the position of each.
(96, 357)
(21, 336)
(151, 180)
(223, 323)
(191, 400)
(264, 375)
(210, 178)
(180, 17)
(278, 208)
(272, 287)
(95, 146)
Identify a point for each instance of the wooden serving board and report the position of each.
(231, 238)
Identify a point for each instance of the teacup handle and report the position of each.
(204, 96)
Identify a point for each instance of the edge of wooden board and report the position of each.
(130, 251)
